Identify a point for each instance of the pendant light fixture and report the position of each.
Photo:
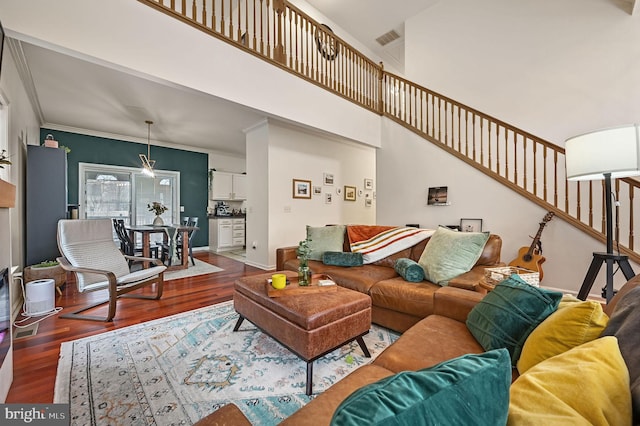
(147, 162)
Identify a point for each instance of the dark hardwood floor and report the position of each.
(35, 358)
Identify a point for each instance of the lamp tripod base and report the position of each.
(608, 258)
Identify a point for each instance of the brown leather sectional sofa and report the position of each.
(395, 303)
(440, 337)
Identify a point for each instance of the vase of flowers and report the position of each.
(158, 209)
(304, 273)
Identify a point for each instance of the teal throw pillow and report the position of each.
(469, 390)
(450, 253)
(342, 258)
(325, 238)
(506, 316)
(409, 269)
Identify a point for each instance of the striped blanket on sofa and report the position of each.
(378, 242)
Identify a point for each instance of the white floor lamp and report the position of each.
(604, 154)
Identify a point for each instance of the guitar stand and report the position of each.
(598, 258)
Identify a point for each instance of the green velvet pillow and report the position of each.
(342, 258)
(325, 238)
(450, 253)
(469, 390)
(506, 316)
(409, 269)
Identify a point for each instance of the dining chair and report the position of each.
(193, 221)
(166, 247)
(88, 251)
(127, 245)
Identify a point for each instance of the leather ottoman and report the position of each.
(309, 325)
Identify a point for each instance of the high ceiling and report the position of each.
(76, 94)
(70, 93)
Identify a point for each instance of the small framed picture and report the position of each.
(471, 225)
(368, 184)
(367, 202)
(327, 179)
(437, 196)
(301, 188)
(349, 193)
(328, 198)
(317, 190)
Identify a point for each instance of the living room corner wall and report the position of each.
(24, 128)
(539, 66)
(417, 165)
(296, 153)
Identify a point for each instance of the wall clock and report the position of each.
(327, 44)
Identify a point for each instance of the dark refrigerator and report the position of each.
(46, 201)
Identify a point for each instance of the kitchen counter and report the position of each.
(233, 216)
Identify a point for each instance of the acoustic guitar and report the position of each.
(531, 257)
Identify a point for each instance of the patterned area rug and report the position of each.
(178, 369)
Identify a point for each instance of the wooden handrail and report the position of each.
(286, 37)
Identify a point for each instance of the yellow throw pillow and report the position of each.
(570, 326)
(567, 300)
(587, 385)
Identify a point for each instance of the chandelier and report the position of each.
(147, 162)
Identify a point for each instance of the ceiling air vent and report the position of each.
(387, 38)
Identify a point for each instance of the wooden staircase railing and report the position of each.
(529, 165)
(534, 168)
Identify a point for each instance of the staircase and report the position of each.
(286, 37)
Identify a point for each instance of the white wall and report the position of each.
(408, 165)
(257, 204)
(23, 129)
(171, 51)
(227, 163)
(294, 153)
(555, 68)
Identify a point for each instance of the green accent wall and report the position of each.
(193, 167)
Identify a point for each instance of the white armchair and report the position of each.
(88, 250)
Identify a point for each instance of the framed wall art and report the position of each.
(327, 178)
(471, 225)
(328, 198)
(301, 188)
(437, 196)
(317, 190)
(368, 184)
(349, 193)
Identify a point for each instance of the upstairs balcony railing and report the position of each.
(533, 167)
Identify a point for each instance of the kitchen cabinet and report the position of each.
(226, 234)
(239, 186)
(228, 186)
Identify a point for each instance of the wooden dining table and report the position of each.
(170, 236)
